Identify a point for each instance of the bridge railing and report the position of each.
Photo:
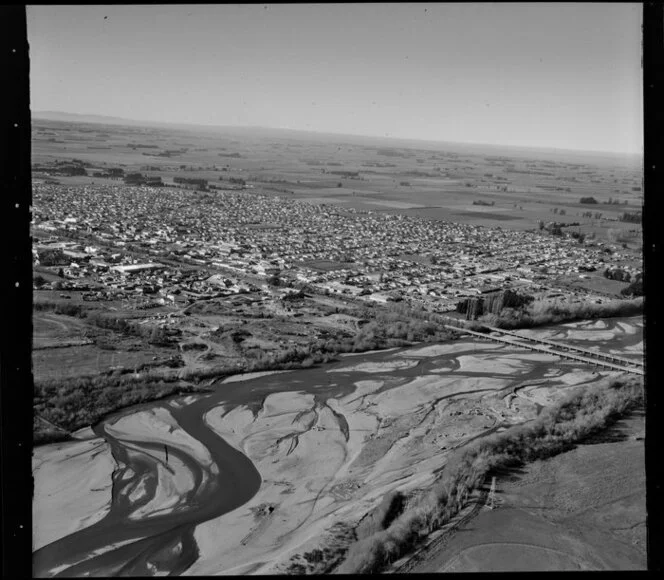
(594, 353)
(561, 354)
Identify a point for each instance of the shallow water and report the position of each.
(163, 542)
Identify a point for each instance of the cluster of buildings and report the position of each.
(250, 236)
(104, 274)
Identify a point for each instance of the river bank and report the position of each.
(263, 470)
(580, 510)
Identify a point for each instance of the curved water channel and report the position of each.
(126, 545)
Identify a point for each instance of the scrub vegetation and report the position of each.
(542, 312)
(63, 405)
(557, 429)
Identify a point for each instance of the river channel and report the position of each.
(184, 465)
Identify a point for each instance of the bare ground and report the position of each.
(581, 510)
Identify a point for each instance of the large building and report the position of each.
(135, 268)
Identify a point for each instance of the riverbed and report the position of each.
(266, 467)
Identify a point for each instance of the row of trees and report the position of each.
(618, 274)
(234, 180)
(52, 257)
(140, 179)
(154, 334)
(580, 237)
(543, 312)
(634, 289)
(632, 217)
(197, 181)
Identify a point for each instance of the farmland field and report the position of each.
(187, 470)
(431, 180)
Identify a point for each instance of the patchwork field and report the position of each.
(268, 473)
(67, 346)
(432, 180)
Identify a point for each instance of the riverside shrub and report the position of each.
(581, 413)
(547, 312)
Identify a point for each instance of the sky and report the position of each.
(558, 75)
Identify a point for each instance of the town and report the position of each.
(122, 241)
(325, 289)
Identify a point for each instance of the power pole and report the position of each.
(491, 502)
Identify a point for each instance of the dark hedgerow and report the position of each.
(543, 312)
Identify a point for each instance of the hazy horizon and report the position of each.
(535, 76)
(184, 126)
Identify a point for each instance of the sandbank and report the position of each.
(249, 376)
(376, 367)
(435, 350)
(157, 425)
(72, 488)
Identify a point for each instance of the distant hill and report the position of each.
(345, 139)
(80, 118)
(108, 120)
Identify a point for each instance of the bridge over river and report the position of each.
(562, 350)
